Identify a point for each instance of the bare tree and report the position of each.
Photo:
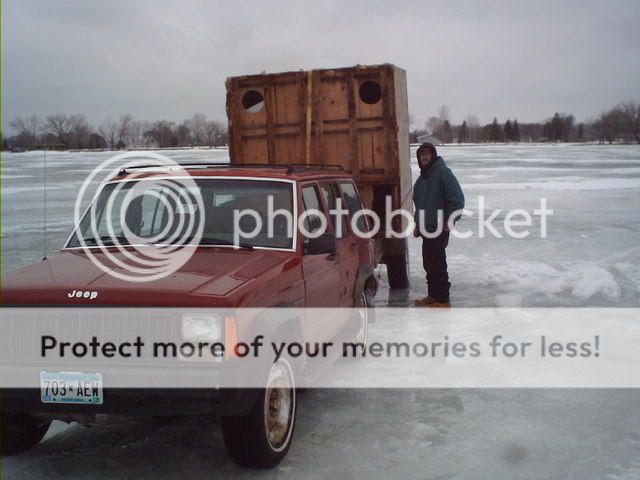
(72, 131)
(79, 131)
(447, 132)
(213, 132)
(432, 125)
(27, 125)
(124, 127)
(494, 131)
(162, 133)
(198, 126)
(463, 132)
(57, 125)
(438, 124)
(109, 131)
(515, 131)
(183, 132)
(608, 126)
(473, 127)
(136, 137)
(568, 122)
(443, 113)
(630, 113)
(27, 128)
(507, 130)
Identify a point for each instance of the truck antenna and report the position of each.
(44, 213)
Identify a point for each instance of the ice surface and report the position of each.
(590, 258)
(594, 191)
(438, 434)
(562, 183)
(631, 273)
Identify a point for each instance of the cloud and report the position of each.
(161, 59)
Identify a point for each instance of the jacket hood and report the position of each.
(430, 146)
(434, 154)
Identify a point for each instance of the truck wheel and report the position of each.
(261, 439)
(20, 432)
(362, 317)
(397, 271)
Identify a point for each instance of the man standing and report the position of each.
(439, 201)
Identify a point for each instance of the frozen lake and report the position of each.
(591, 257)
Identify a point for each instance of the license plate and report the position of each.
(71, 387)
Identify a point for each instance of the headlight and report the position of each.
(202, 326)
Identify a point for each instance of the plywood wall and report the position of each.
(355, 117)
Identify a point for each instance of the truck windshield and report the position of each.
(159, 214)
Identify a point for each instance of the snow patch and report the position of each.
(422, 432)
(530, 276)
(631, 273)
(590, 280)
(517, 279)
(509, 300)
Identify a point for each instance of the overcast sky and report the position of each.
(163, 59)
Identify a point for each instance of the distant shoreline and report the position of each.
(412, 145)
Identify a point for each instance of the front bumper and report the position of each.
(138, 402)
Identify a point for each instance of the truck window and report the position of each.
(154, 215)
(330, 194)
(353, 204)
(150, 215)
(311, 201)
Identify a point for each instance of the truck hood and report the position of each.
(211, 277)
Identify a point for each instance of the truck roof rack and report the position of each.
(303, 167)
(290, 167)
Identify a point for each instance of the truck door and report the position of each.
(360, 247)
(321, 272)
(346, 244)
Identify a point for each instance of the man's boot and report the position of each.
(438, 304)
(425, 302)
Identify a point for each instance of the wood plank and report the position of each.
(320, 117)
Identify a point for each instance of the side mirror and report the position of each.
(325, 243)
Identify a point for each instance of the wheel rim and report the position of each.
(279, 406)
(363, 318)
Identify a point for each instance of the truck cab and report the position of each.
(281, 265)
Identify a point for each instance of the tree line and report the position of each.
(620, 123)
(74, 131)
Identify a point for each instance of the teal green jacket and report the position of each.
(436, 189)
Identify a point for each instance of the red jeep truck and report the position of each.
(286, 270)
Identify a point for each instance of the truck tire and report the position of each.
(261, 438)
(397, 271)
(20, 432)
(362, 314)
